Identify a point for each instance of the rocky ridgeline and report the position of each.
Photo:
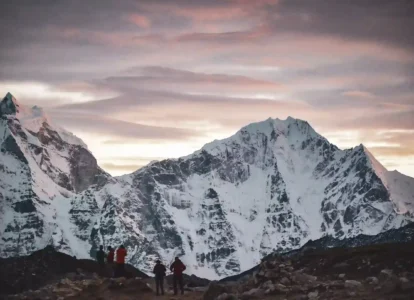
(380, 272)
(83, 287)
(49, 274)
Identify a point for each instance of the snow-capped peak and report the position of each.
(374, 163)
(399, 186)
(27, 116)
(295, 131)
(35, 118)
(10, 106)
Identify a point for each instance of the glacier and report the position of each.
(272, 186)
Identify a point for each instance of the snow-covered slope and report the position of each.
(41, 169)
(272, 186)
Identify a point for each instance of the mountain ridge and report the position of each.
(272, 186)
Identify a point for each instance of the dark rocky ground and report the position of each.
(19, 274)
(380, 272)
(377, 272)
(48, 274)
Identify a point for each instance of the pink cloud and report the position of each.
(139, 20)
(211, 13)
(358, 94)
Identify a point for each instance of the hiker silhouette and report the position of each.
(159, 271)
(121, 253)
(177, 267)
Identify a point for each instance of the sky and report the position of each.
(150, 79)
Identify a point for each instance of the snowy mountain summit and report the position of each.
(273, 185)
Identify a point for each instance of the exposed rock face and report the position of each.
(41, 169)
(272, 186)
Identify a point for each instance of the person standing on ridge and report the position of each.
(100, 258)
(178, 268)
(159, 271)
(110, 260)
(111, 255)
(121, 253)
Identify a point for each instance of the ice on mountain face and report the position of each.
(39, 171)
(277, 185)
(272, 186)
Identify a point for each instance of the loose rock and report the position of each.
(352, 284)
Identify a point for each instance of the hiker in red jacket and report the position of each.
(121, 253)
(178, 268)
(111, 255)
(110, 260)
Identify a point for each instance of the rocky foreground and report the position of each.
(372, 272)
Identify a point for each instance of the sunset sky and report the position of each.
(145, 80)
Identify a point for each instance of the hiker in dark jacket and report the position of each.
(100, 257)
(178, 268)
(159, 271)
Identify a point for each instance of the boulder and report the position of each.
(253, 294)
(302, 278)
(226, 296)
(372, 280)
(300, 297)
(385, 274)
(335, 284)
(272, 274)
(285, 281)
(405, 284)
(353, 284)
(214, 290)
(341, 265)
(351, 294)
(277, 289)
(341, 276)
(267, 285)
(313, 295)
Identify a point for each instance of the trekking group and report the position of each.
(116, 262)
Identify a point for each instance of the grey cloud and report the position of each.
(109, 167)
(108, 126)
(382, 121)
(169, 79)
(384, 21)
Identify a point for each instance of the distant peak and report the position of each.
(10, 97)
(270, 124)
(373, 162)
(9, 105)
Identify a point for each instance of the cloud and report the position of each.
(169, 79)
(119, 168)
(378, 21)
(203, 14)
(358, 94)
(106, 126)
(139, 20)
(382, 121)
(191, 71)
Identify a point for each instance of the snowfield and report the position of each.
(273, 185)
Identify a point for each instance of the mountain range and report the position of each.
(272, 186)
